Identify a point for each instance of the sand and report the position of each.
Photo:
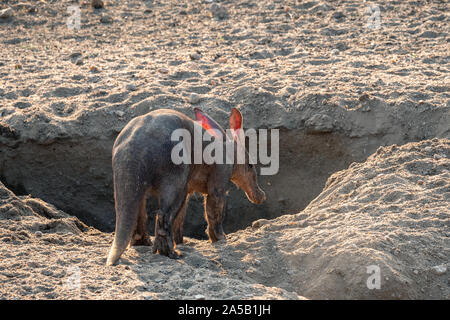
(391, 212)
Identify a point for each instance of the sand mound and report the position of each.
(25, 215)
(390, 213)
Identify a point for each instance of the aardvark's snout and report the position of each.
(257, 197)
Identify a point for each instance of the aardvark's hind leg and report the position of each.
(171, 201)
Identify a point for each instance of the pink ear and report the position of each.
(235, 119)
(235, 122)
(208, 123)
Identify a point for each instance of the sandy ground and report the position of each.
(391, 212)
(270, 58)
(336, 88)
(46, 254)
(172, 49)
(314, 69)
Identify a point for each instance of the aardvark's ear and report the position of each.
(208, 123)
(235, 123)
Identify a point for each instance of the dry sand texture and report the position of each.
(337, 86)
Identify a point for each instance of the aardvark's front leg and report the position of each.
(214, 205)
